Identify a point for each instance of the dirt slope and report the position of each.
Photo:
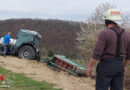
(40, 72)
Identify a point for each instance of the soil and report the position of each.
(40, 72)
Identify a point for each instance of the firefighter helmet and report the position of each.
(113, 15)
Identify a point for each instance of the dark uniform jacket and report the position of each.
(106, 45)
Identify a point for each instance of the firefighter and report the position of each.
(112, 51)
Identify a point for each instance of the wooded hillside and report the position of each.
(57, 35)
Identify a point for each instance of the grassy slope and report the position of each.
(20, 82)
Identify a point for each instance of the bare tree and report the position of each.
(86, 38)
(97, 15)
(125, 20)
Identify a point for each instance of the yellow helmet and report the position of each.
(113, 15)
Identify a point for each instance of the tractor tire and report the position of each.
(26, 52)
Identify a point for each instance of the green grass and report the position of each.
(21, 82)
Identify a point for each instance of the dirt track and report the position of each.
(40, 72)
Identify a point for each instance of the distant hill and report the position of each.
(57, 35)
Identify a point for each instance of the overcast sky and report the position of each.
(77, 10)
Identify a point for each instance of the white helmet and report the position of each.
(113, 15)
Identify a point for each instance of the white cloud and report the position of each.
(61, 9)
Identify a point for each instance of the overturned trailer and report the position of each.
(61, 63)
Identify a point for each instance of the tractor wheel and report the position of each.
(26, 52)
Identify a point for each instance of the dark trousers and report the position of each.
(7, 48)
(110, 73)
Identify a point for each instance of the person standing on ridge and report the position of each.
(112, 50)
(7, 38)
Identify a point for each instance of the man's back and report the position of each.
(6, 39)
(107, 41)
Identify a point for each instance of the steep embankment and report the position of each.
(40, 72)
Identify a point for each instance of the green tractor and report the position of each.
(26, 44)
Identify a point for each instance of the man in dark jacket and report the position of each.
(112, 50)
